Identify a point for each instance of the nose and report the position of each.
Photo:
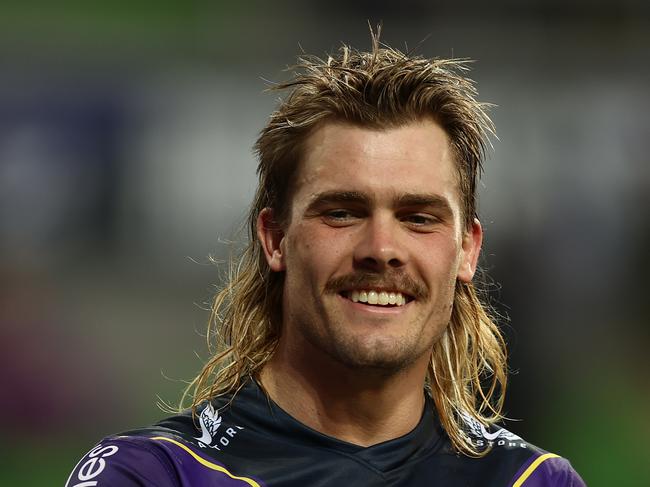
(378, 247)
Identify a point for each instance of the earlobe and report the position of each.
(270, 236)
(472, 240)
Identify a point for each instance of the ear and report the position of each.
(472, 239)
(270, 236)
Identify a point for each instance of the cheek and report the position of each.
(441, 250)
(318, 245)
(441, 261)
(307, 257)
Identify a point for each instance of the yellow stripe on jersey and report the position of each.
(207, 463)
(531, 468)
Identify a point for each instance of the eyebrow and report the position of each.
(399, 201)
(340, 197)
(419, 199)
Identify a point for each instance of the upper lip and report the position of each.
(395, 283)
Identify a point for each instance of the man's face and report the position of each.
(373, 247)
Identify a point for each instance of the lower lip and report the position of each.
(375, 309)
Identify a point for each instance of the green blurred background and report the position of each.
(125, 161)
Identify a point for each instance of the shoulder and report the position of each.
(525, 464)
(178, 451)
(547, 470)
(124, 461)
(152, 458)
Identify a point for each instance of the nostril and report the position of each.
(368, 263)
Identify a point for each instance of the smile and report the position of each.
(378, 298)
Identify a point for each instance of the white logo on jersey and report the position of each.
(500, 434)
(478, 432)
(209, 420)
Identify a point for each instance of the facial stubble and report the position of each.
(377, 354)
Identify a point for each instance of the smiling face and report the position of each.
(373, 246)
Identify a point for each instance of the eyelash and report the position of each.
(417, 221)
(339, 217)
(339, 214)
(423, 219)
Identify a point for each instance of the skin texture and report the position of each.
(371, 209)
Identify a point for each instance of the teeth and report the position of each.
(381, 298)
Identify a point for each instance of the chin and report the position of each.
(379, 356)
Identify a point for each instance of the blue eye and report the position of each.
(421, 222)
(419, 219)
(339, 214)
(340, 217)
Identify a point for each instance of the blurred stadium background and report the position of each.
(125, 160)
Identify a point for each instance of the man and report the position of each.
(353, 349)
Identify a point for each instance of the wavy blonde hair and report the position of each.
(378, 89)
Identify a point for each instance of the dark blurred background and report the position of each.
(125, 161)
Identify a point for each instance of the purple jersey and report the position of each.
(250, 441)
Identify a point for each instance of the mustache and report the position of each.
(364, 280)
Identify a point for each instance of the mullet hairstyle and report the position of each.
(380, 89)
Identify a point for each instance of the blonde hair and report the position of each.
(381, 88)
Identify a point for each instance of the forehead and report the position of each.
(412, 158)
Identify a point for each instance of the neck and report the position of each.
(359, 406)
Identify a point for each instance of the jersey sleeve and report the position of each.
(547, 470)
(123, 462)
